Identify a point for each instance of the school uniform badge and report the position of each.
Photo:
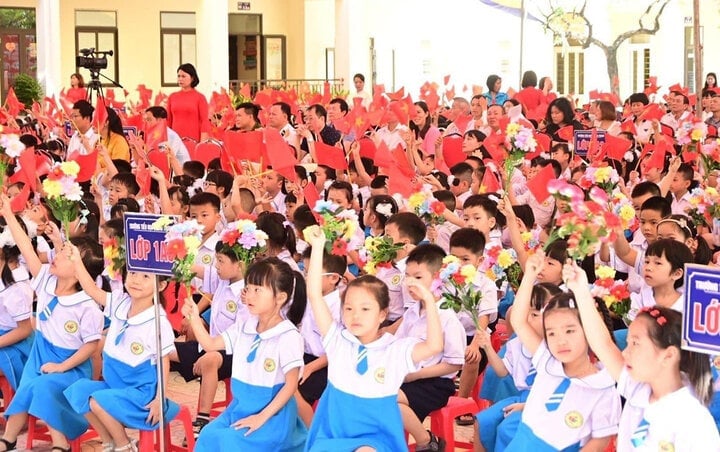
(395, 280)
(231, 306)
(665, 446)
(269, 365)
(574, 419)
(206, 259)
(136, 348)
(71, 326)
(380, 375)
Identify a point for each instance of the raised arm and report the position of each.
(316, 237)
(209, 343)
(434, 342)
(86, 281)
(22, 240)
(596, 332)
(494, 359)
(521, 307)
(515, 236)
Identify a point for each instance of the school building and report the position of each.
(393, 42)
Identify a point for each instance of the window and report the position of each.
(98, 30)
(640, 64)
(177, 44)
(689, 59)
(570, 72)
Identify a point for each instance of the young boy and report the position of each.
(408, 229)
(205, 208)
(429, 388)
(560, 152)
(460, 181)
(445, 230)
(272, 183)
(680, 186)
(468, 245)
(314, 376)
(480, 212)
(122, 185)
(543, 211)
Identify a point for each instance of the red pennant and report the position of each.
(594, 151)
(19, 202)
(628, 126)
(311, 194)
(446, 79)
(159, 159)
(401, 111)
(398, 182)
(28, 170)
(279, 154)
(14, 106)
(330, 156)
(538, 185)
(652, 111)
(367, 148)
(244, 145)
(88, 165)
(616, 147)
(452, 150)
(156, 134)
(401, 161)
(493, 144)
(160, 98)
(490, 183)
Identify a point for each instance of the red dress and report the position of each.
(188, 114)
(531, 98)
(76, 94)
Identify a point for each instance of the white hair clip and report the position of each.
(385, 209)
(494, 199)
(6, 238)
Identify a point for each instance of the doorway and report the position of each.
(18, 44)
(252, 55)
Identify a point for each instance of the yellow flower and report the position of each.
(512, 129)
(526, 236)
(161, 223)
(450, 258)
(603, 174)
(711, 191)
(192, 244)
(696, 135)
(490, 274)
(71, 168)
(604, 271)
(349, 230)
(416, 199)
(52, 188)
(468, 271)
(627, 213)
(505, 259)
(610, 300)
(370, 268)
(370, 244)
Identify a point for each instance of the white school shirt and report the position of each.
(444, 232)
(389, 360)
(589, 409)
(289, 134)
(676, 422)
(227, 307)
(488, 303)
(309, 328)
(75, 144)
(682, 205)
(139, 341)
(391, 138)
(76, 319)
(15, 300)
(414, 324)
(646, 299)
(280, 350)
(286, 257)
(393, 279)
(205, 256)
(518, 361)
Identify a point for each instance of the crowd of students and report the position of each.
(328, 353)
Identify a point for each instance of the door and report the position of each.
(19, 56)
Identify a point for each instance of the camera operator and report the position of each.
(84, 137)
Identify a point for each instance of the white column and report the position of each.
(47, 28)
(212, 45)
(352, 42)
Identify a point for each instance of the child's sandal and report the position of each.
(108, 447)
(61, 449)
(8, 444)
(129, 447)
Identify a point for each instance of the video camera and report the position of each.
(93, 60)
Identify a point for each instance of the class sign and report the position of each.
(145, 246)
(701, 317)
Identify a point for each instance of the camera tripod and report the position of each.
(95, 86)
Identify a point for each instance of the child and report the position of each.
(481, 212)
(205, 208)
(408, 229)
(281, 237)
(443, 231)
(516, 363)
(651, 212)
(127, 394)
(359, 408)
(681, 229)
(314, 378)
(468, 245)
(16, 297)
(69, 325)
(378, 210)
(122, 185)
(681, 184)
(460, 179)
(267, 364)
(662, 412)
(663, 272)
(572, 403)
(431, 386)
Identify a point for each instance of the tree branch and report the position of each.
(650, 31)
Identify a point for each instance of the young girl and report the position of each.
(69, 325)
(268, 355)
(662, 412)
(572, 403)
(517, 364)
(359, 408)
(127, 394)
(376, 213)
(663, 274)
(16, 297)
(281, 237)
(681, 229)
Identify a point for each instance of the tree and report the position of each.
(23, 18)
(574, 28)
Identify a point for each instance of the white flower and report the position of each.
(6, 238)
(12, 144)
(74, 193)
(385, 209)
(629, 156)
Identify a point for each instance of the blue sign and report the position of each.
(145, 245)
(582, 140)
(701, 318)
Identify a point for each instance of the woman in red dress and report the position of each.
(77, 89)
(188, 109)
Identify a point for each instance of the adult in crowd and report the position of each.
(187, 109)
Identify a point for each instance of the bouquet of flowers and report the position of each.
(425, 206)
(614, 293)
(531, 240)
(623, 208)
(114, 256)
(338, 224)
(602, 176)
(378, 252)
(701, 202)
(244, 240)
(63, 193)
(459, 291)
(569, 194)
(691, 132)
(183, 240)
(519, 141)
(501, 265)
(710, 155)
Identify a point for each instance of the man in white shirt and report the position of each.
(392, 133)
(460, 107)
(157, 113)
(279, 119)
(83, 140)
(678, 104)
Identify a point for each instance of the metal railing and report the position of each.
(315, 85)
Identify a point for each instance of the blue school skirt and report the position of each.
(345, 422)
(492, 420)
(283, 432)
(525, 440)
(496, 388)
(42, 394)
(13, 359)
(124, 393)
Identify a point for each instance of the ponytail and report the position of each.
(697, 368)
(605, 314)
(298, 302)
(277, 275)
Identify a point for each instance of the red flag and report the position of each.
(446, 79)
(100, 116)
(327, 96)
(14, 106)
(19, 202)
(450, 93)
(401, 111)
(245, 91)
(398, 182)
(136, 121)
(493, 145)
(657, 158)
(343, 124)
(452, 150)
(538, 185)
(145, 95)
(311, 194)
(159, 159)
(206, 151)
(652, 87)
(174, 304)
(66, 104)
(279, 154)
(88, 165)
(263, 99)
(628, 126)
(244, 145)
(566, 133)
(156, 134)
(330, 156)
(543, 141)
(652, 111)
(160, 98)
(367, 148)
(490, 183)
(397, 95)
(142, 175)
(401, 161)
(462, 121)
(616, 147)
(28, 170)
(594, 151)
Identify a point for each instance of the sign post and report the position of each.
(145, 252)
(701, 319)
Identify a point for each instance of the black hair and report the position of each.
(658, 204)
(319, 111)
(639, 97)
(190, 70)
(529, 78)
(376, 287)
(122, 165)
(565, 108)
(490, 82)
(360, 76)
(562, 147)
(677, 254)
(92, 219)
(379, 182)
(542, 293)
(214, 165)
(344, 107)
(280, 234)
(194, 169)
(420, 132)
(221, 179)
(303, 217)
(285, 108)
(157, 112)
(203, 198)
(342, 186)
(250, 109)
(557, 169)
(645, 188)
(124, 205)
(409, 226)
(91, 253)
(428, 254)
(525, 214)
(558, 250)
(84, 108)
(462, 170)
(485, 203)
(114, 228)
(703, 253)
(368, 166)
(331, 263)
(281, 278)
(468, 238)
(128, 181)
(373, 202)
(446, 197)
(115, 123)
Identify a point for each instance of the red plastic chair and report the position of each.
(218, 407)
(7, 393)
(39, 432)
(150, 439)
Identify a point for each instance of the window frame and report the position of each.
(116, 52)
(174, 31)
